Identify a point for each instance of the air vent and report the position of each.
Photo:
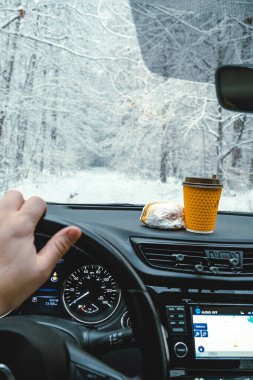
(196, 258)
(248, 261)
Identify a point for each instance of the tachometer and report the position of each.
(90, 294)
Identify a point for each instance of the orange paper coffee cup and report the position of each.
(201, 201)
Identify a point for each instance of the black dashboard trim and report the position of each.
(117, 227)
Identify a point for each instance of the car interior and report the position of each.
(149, 298)
(129, 302)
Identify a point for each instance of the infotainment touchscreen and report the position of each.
(222, 332)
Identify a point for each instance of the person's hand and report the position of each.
(22, 269)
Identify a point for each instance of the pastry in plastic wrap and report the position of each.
(163, 215)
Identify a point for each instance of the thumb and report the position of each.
(57, 246)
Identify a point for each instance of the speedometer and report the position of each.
(90, 294)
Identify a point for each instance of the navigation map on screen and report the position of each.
(223, 331)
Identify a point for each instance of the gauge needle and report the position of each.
(85, 294)
(94, 306)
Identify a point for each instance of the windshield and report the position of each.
(113, 101)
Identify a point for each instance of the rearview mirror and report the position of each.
(234, 87)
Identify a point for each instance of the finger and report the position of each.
(12, 201)
(33, 209)
(57, 246)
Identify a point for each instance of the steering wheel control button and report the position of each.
(181, 350)
(176, 319)
(86, 374)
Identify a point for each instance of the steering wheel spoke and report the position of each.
(85, 366)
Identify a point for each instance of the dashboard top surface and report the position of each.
(117, 225)
(230, 227)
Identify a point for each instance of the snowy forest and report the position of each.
(122, 86)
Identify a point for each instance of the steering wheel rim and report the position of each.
(145, 322)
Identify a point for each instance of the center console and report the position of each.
(210, 332)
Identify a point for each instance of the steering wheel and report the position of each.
(30, 350)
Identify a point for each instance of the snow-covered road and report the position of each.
(105, 186)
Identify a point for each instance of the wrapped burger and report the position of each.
(163, 215)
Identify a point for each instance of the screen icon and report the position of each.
(205, 334)
(55, 277)
(200, 326)
(197, 310)
(201, 349)
(197, 334)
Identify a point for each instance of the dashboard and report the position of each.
(201, 286)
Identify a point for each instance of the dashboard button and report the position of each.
(179, 330)
(175, 316)
(193, 290)
(180, 350)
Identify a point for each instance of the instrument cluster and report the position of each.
(77, 288)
